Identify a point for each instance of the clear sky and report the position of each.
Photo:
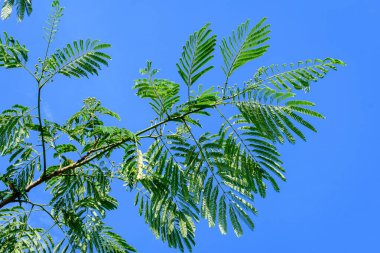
(330, 202)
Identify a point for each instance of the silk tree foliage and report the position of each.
(179, 172)
(21, 6)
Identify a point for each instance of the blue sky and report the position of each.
(330, 202)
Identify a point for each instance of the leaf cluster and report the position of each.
(179, 169)
(12, 53)
(22, 7)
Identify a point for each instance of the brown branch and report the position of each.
(82, 161)
(91, 155)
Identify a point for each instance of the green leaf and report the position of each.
(222, 215)
(162, 93)
(12, 53)
(14, 128)
(22, 6)
(244, 216)
(53, 21)
(183, 226)
(213, 206)
(277, 121)
(112, 242)
(197, 52)
(84, 61)
(64, 148)
(235, 222)
(244, 45)
(288, 77)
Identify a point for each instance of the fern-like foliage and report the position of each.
(53, 21)
(203, 100)
(224, 171)
(79, 201)
(15, 125)
(276, 121)
(79, 59)
(162, 93)
(16, 235)
(178, 171)
(109, 241)
(297, 76)
(21, 173)
(22, 7)
(12, 53)
(86, 124)
(223, 181)
(87, 233)
(197, 52)
(166, 201)
(244, 45)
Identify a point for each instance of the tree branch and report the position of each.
(41, 129)
(90, 155)
(82, 161)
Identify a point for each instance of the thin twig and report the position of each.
(41, 130)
